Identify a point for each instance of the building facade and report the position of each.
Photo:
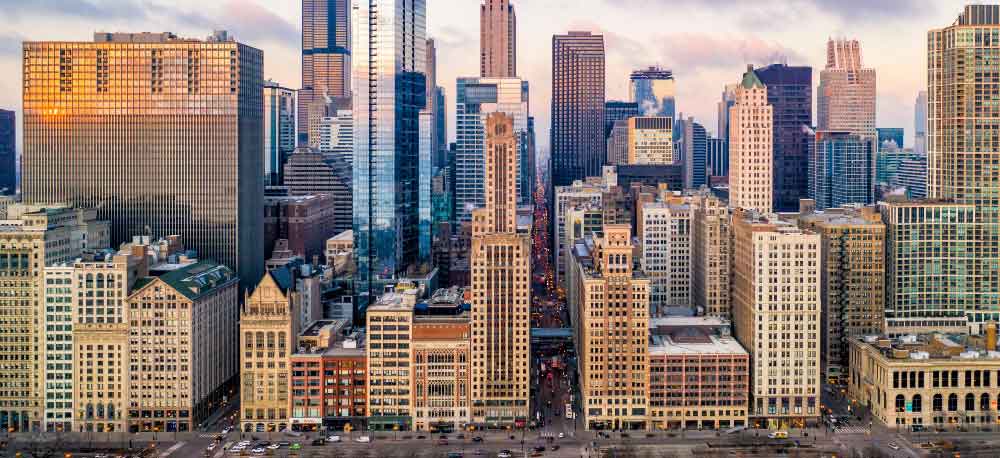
(789, 92)
(887, 134)
(751, 158)
(618, 143)
(692, 148)
(652, 90)
(577, 141)
(204, 137)
(497, 39)
(710, 255)
(390, 361)
(326, 60)
(776, 317)
(311, 173)
(841, 170)
(650, 140)
(616, 110)
(666, 254)
(845, 99)
(279, 130)
(8, 152)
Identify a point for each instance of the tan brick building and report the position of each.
(390, 361)
(710, 255)
(751, 146)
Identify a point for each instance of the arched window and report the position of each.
(937, 404)
(984, 402)
(900, 403)
(970, 402)
(248, 339)
(90, 410)
(100, 280)
(918, 403)
(100, 410)
(259, 341)
(111, 411)
(952, 402)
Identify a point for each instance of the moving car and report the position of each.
(778, 435)
(363, 439)
(333, 439)
(257, 451)
(477, 439)
(504, 454)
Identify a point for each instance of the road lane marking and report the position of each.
(172, 449)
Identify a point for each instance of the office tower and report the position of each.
(887, 162)
(336, 136)
(184, 169)
(683, 353)
(497, 39)
(442, 363)
(750, 146)
(650, 140)
(326, 59)
(529, 166)
(852, 284)
(269, 324)
(8, 153)
(653, 91)
(887, 134)
(961, 154)
(615, 111)
(38, 396)
(912, 176)
(279, 130)
(609, 306)
(618, 143)
(501, 289)
(845, 99)
(710, 255)
(181, 369)
(309, 173)
(390, 321)
(566, 197)
(441, 128)
(718, 157)
(789, 92)
(666, 254)
(920, 123)
(841, 170)
(692, 147)
(436, 142)
(476, 99)
(937, 273)
(578, 146)
(728, 99)
(389, 92)
(773, 255)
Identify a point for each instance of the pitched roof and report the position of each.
(750, 79)
(196, 280)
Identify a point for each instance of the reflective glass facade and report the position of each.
(8, 153)
(326, 58)
(389, 93)
(279, 131)
(789, 91)
(653, 91)
(577, 140)
(841, 170)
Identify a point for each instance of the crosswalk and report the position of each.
(852, 430)
(172, 449)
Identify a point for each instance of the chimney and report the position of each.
(991, 336)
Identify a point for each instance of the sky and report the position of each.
(707, 43)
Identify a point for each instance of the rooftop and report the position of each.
(936, 347)
(196, 279)
(666, 345)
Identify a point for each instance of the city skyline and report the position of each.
(702, 66)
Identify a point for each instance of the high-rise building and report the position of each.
(441, 128)
(775, 256)
(887, 163)
(529, 166)
(845, 99)
(750, 146)
(476, 99)
(887, 134)
(937, 270)
(852, 280)
(911, 175)
(191, 166)
(326, 59)
(650, 140)
(615, 111)
(609, 306)
(666, 254)
(920, 123)
(692, 147)
(717, 161)
(436, 142)
(389, 94)
(309, 173)
(38, 396)
(336, 136)
(652, 90)
(789, 92)
(841, 170)
(501, 290)
(710, 255)
(618, 143)
(577, 139)
(728, 99)
(567, 197)
(8, 153)
(497, 39)
(279, 130)
(961, 154)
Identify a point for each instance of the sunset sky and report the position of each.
(707, 43)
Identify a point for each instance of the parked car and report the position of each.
(363, 439)
(333, 439)
(477, 439)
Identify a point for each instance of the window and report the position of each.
(917, 403)
(952, 402)
(937, 405)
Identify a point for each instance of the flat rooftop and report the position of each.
(714, 345)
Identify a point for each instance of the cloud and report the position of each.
(777, 10)
(88, 9)
(10, 46)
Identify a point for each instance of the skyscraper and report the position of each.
(475, 100)
(615, 111)
(191, 166)
(692, 147)
(8, 152)
(750, 146)
(650, 140)
(841, 170)
(618, 143)
(497, 39)
(441, 128)
(718, 157)
(279, 130)
(920, 123)
(710, 255)
(577, 140)
(389, 93)
(846, 94)
(728, 99)
(961, 152)
(435, 134)
(653, 90)
(789, 91)
(501, 289)
(326, 58)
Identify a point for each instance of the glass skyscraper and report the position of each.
(841, 170)
(389, 94)
(326, 59)
(8, 153)
(475, 99)
(279, 130)
(615, 110)
(578, 143)
(692, 144)
(653, 91)
(889, 133)
(789, 91)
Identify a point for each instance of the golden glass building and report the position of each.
(326, 59)
(162, 134)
